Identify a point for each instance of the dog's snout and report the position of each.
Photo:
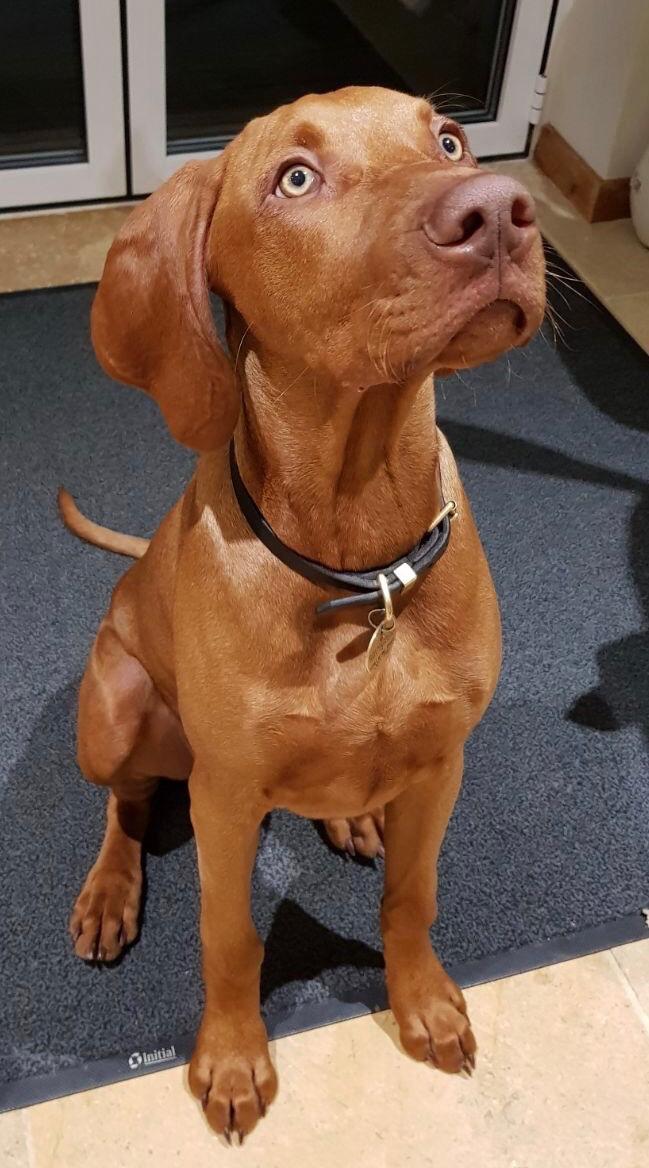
(482, 217)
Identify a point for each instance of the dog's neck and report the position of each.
(344, 476)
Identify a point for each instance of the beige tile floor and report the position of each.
(562, 1082)
(563, 1072)
(43, 251)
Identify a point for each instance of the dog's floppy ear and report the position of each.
(151, 319)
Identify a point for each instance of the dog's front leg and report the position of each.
(429, 1008)
(230, 1071)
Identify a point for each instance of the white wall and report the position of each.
(598, 81)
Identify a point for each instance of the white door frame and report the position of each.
(151, 164)
(508, 133)
(103, 174)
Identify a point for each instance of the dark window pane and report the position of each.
(41, 83)
(228, 60)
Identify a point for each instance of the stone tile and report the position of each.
(13, 1142)
(562, 1079)
(608, 256)
(633, 960)
(633, 314)
(44, 251)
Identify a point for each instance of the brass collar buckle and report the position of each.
(449, 509)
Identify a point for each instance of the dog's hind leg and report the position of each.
(128, 737)
(360, 836)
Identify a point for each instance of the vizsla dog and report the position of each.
(358, 250)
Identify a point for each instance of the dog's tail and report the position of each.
(103, 537)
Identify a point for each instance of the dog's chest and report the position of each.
(293, 706)
(348, 740)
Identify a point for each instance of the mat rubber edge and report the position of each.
(101, 1072)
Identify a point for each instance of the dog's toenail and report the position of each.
(349, 847)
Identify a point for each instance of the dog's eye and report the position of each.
(451, 145)
(296, 181)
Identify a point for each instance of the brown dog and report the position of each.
(358, 250)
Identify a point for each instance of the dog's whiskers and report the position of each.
(556, 316)
(236, 360)
(314, 388)
(553, 317)
(555, 278)
(376, 325)
(384, 329)
(559, 292)
(442, 98)
(279, 396)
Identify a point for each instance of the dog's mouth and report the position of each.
(498, 326)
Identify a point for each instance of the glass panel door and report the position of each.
(229, 60)
(41, 82)
(202, 68)
(61, 105)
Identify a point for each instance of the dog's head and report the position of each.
(353, 231)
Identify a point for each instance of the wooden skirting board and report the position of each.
(596, 198)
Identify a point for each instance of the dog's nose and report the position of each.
(482, 217)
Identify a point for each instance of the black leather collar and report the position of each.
(400, 574)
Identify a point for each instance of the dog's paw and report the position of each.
(105, 917)
(235, 1086)
(362, 836)
(438, 1032)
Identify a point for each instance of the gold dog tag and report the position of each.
(385, 631)
(380, 643)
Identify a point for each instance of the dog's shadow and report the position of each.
(297, 947)
(170, 825)
(300, 948)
